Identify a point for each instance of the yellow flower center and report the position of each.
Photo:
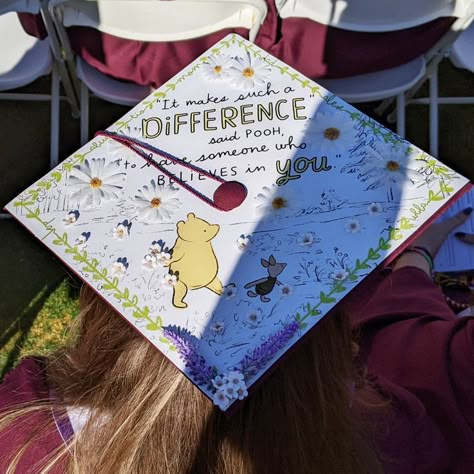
(279, 203)
(392, 165)
(95, 183)
(218, 69)
(155, 202)
(332, 133)
(248, 72)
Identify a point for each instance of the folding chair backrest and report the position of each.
(372, 15)
(163, 20)
(21, 6)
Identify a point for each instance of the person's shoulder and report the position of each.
(24, 383)
(408, 437)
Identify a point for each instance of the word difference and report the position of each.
(229, 117)
(293, 169)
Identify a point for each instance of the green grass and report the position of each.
(48, 330)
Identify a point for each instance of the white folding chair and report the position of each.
(385, 16)
(461, 54)
(25, 58)
(145, 20)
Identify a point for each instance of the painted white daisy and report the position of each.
(249, 72)
(219, 381)
(217, 67)
(169, 280)
(254, 317)
(155, 203)
(243, 242)
(274, 201)
(230, 391)
(332, 132)
(285, 290)
(122, 230)
(81, 242)
(306, 239)
(218, 328)
(242, 392)
(220, 399)
(120, 266)
(374, 208)
(353, 226)
(235, 378)
(94, 181)
(229, 291)
(340, 275)
(149, 262)
(71, 218)
(386, 166)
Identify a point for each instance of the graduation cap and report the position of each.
(232, 209)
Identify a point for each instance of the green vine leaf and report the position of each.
(373, 255)
(23, 203)
(33, 214)
(433, 196)
(152, 327)
(405, 223)
(338, 288)
(326, 299)
(445, 189)
(383, 244)
(395, 234)
(361, 265)
(57, 176)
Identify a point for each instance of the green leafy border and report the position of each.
(129, 301)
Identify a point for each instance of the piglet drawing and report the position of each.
(264, 286)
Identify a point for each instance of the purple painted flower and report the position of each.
(201, 373)
(263, 354)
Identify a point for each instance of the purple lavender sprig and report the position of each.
(263, 354)
(200, 372)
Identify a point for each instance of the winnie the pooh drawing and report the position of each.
(193, 259)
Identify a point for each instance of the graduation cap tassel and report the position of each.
(227, 196)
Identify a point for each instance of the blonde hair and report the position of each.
(148, 418)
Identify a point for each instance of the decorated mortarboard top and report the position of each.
(228, 212)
